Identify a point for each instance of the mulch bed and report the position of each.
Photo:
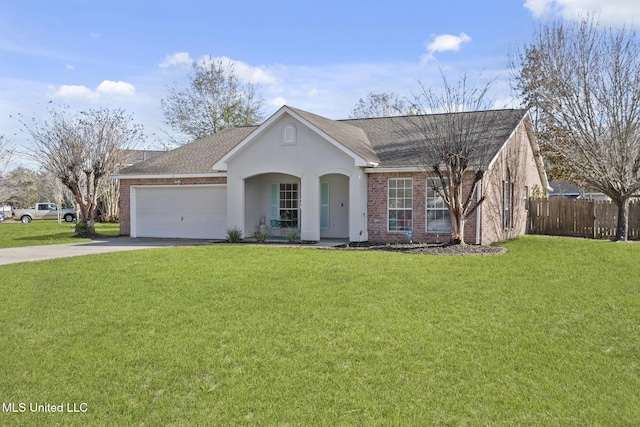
(427, 249)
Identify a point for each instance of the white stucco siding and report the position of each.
(269, 153)
(308, 158)
(338, 209)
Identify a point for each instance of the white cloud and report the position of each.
(74, 92)
(610, 12)
(95, 35)
(313, 92)
(539, 8)
(443, 43)
(83, 93)
(70, 67)
(247, 73)
(178, 59)
(120, 88)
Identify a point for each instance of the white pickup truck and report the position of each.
(42, 211)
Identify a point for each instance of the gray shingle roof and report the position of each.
(394, 138)
(194, 158)
(131, 157)
(387, 141)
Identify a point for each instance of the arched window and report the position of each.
(289, 135)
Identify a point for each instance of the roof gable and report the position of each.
(349, 139)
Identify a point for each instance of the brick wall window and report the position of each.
(438, 218)
(400, 199)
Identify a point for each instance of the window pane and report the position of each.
(400, 197)
(438, 221)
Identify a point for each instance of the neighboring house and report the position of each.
(351, 179)
(570, 190)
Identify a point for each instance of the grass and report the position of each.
(16, 234)
(547, 334)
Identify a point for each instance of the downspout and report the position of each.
(478, 197)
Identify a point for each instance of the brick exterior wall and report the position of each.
(125, 194)
(377, 211)
(518, 158)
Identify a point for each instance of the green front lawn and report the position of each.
(547, 334)
(14, 233)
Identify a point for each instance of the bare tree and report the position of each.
(386, 104)
(584, 82)
(453, 144)
(109, 190)
(81, 150)
(6, 156)
(214, 99)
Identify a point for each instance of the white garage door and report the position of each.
(196, 212)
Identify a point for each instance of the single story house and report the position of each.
(570, 190)
(357, 179)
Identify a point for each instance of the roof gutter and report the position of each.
(169, 176)
(387, 170)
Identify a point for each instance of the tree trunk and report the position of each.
(623, 219)
(461, 222)
(457, 226)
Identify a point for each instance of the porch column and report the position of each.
(358, 230)
(310, 208)
(235, 203)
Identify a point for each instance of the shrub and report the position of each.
(292, 235)
(112, 219)
(234, 235)
(83, 229)
(261, 235)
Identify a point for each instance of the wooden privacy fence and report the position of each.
(579, 218)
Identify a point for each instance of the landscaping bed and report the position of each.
(428, 249)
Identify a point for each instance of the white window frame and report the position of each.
(399, 203)
(284, 211)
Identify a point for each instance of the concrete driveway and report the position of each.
(119, 244)
(116, 244)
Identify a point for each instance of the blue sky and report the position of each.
(321, 57)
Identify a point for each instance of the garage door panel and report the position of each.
(181, 212)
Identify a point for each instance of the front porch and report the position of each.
(289, 207)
